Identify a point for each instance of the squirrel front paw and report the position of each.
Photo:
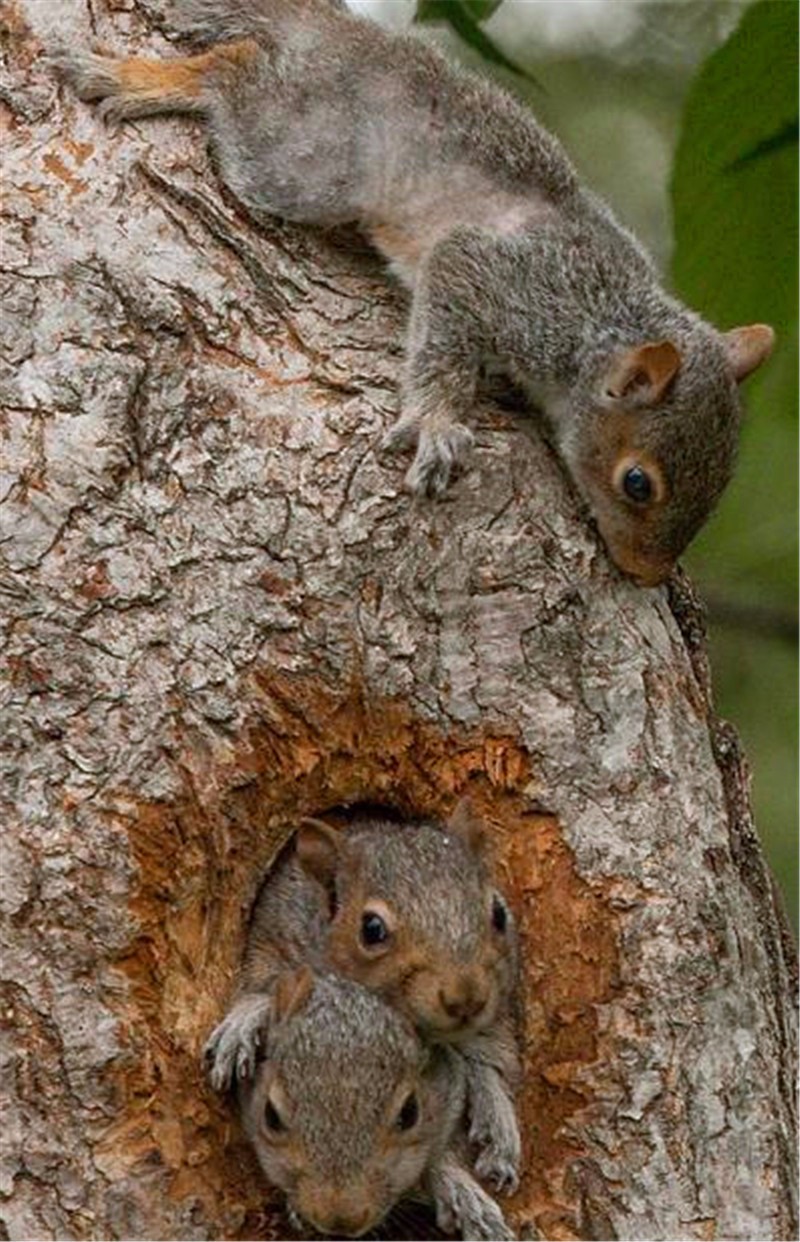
(497, 1137)
(231, 1052)
(499, 1169)
(463, 1208)
(402, 435)
(440, 453)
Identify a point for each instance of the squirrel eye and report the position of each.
(408, 1116)
(273, 1119)
(499, 915)
(373, 929)
(637, 485)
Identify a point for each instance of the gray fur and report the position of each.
(462, 1207)
(480, 213)
(443, 890)
(344, 1061)
(430, 874)
(494, 1129)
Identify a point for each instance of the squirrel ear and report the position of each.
(319, 849)
(645, 372)
(292, 990)
(748, 347)
(465, 822)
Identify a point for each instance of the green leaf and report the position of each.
(478, 10)
(734, 185)
(786, 137)
(464, 17)
(747, 90)
(734, 194)
(482, 9)
(735, 202)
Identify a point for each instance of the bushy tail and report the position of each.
(210, 21)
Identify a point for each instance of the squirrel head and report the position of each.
(415, 916)
(347, 1107)
(656, 438)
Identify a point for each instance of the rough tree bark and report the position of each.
(221, 611)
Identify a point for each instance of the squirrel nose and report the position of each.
(653, 578)
(464, 999)
(349, 1222)
(337, 1211)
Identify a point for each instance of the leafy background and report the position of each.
(685, 117)
(734, 194)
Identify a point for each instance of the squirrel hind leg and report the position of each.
(142, 87)
(134, 87)
(90, 75)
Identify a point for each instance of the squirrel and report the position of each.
(409, 911)
(348, 1112)
(321, 117)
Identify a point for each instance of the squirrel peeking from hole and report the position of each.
(321, 117)
(396, 956)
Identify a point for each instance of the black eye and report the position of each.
(273, 1119)
(499, 915)
(408, 1116)
(373, 929)
(637, 485)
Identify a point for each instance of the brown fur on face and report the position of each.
(636, 535)
(439, 945)
(442, 962)
(437, 992)
(642, 408)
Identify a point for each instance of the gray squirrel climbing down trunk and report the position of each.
(223, 613)
(319, 116)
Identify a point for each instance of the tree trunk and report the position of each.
(222, 612)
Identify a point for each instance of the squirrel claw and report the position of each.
(499, 1148)
(231, 1051)
(244, 1063)
(296, 1220)
(439, 455)
(501, 1173)
(401, 437)
(466, 1210)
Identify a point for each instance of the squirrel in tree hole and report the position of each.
(410, 911)
(349, 1112)
(321, 117)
